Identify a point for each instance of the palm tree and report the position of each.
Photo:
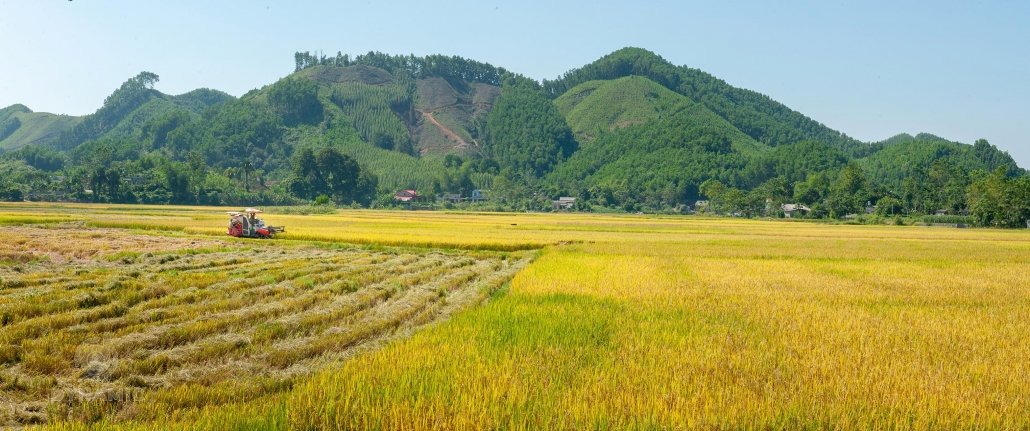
(247, 169)
(97, 180)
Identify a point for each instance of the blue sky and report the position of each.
(870, 69)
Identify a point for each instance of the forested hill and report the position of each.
(628, 132)
(755, 114)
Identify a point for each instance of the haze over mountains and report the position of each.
(629, 130)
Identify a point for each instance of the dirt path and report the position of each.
(450, 134)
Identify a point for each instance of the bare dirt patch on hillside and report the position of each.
(454, 141)
(485, 95)
(434, 93)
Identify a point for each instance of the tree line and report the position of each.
(414, 66)
(992, 199)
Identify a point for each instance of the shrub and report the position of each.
(947, 219)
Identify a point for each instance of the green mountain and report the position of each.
(19, 126)
(629, 131)
(678, 151)
(755, 114)
(160, 104)
(902, 159)
(595, 107)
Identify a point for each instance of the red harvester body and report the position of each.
(247, 225)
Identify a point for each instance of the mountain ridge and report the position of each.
(630, 124)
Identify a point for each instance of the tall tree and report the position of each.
(999, 200)
(850, 192)
(247, 168)
(339, 172)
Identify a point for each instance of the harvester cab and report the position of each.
(248, 225)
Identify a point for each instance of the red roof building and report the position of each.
(406, 196)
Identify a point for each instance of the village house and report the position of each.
(478, 196)
(700, 206)
(940, 212)
(564, 203)
(406, 195)
(135, 178)
(790, 210)
(453, 198)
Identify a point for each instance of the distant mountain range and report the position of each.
(629, 127)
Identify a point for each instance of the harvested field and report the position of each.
(106, 324)
(72, 243)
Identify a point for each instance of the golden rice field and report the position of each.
(621, 322)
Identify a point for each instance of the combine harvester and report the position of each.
(249, 226)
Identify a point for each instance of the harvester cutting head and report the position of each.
(247, 225)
